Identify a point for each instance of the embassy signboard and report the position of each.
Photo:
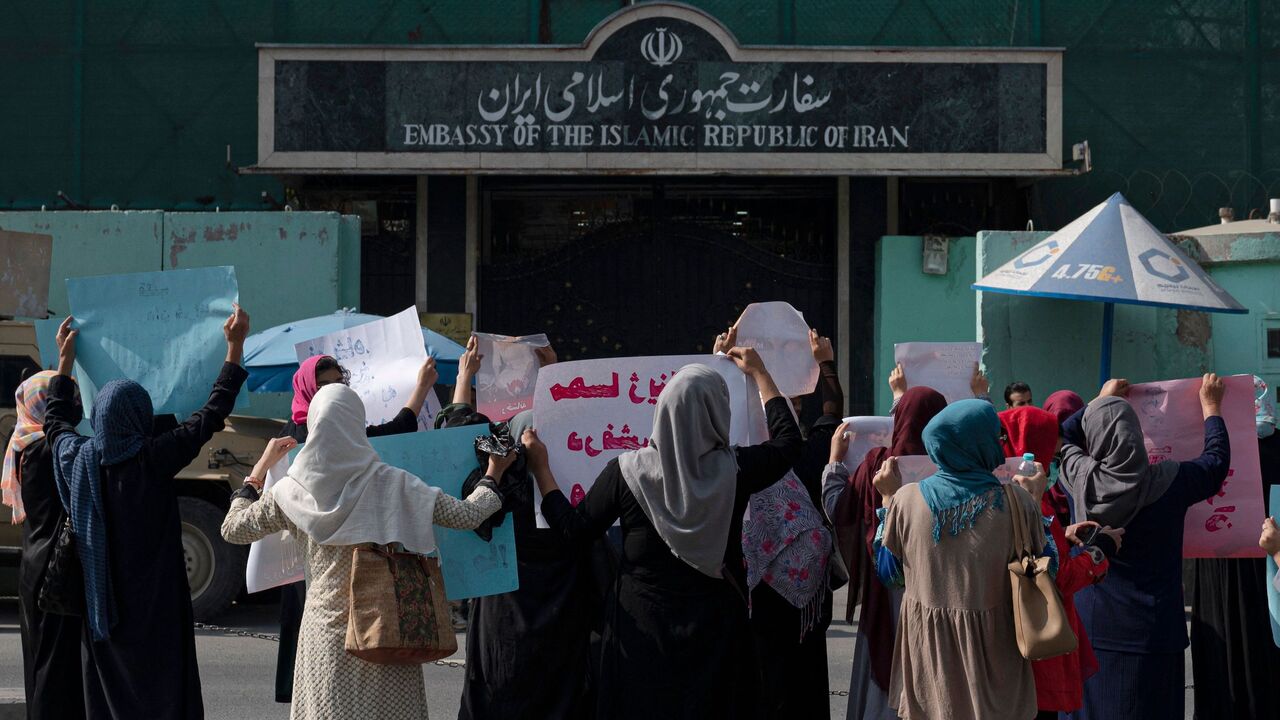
(662, 88)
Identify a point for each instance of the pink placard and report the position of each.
(1226, 525)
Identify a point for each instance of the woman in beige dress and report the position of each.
(339, 494)
(948, 540)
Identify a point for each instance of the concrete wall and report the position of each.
(289, 266)
(1248, 266)
(914, 307)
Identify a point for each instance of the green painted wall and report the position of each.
(289, 265)
(1239, 343)
(914, 307)
(92, 243)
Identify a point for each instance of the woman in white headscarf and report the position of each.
(339, 494)
(677, 643)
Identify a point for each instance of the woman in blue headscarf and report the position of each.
(947, 540)
(117, 486)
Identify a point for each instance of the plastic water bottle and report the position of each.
(1027, 467)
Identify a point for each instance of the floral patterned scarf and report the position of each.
(787, 546)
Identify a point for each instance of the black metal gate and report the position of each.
(657, 269)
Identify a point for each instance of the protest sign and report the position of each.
(866, 432)
(160, 329)
(590, 411)
(780, 335)
(508, 374)
(24, 274)
(1226, 525)
(944, 366)
(384, 358)
(277, 559)
(1273, 595)
(443, 458)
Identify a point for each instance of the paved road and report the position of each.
(238, 672)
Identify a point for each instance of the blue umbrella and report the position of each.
(271, 360)
(1113, 255)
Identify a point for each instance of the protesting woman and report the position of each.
(852, 504)
(527, 650)
(948, 540)
(1063, 404)
(314, 373)
(1060, 680)
(1136, 619)
(788, 549)
(1228, 598)
(677, 642)
(139, 643)
(50, 642)
(339, 494)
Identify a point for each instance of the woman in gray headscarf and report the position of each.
(677, 641)
(1135, 619)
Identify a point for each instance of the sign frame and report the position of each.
(273, 161)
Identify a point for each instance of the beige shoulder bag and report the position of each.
(1038, 617)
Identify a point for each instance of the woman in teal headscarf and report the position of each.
(948, 539)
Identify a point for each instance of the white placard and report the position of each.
(866, 432)
(384, 358)
(508, 373)
(277, 559)
(591, 411)
(779, 333)
(944, 366)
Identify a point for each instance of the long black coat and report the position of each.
(147, 668)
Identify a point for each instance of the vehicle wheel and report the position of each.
(215, 568)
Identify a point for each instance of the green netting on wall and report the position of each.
(139, 102)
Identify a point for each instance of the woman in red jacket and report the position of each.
(1060, 680)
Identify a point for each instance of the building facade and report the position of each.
(649, 197)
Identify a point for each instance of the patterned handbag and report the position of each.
(397, 612)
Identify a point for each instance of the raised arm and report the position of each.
(63, 412)
(759, 466)
(829, 389)
(174, 450)
(1202, 478)
(597, 511)
(468, 367)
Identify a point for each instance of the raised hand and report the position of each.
(1211, 392)
(1115, 387)
(546, 356)
(898, 381)
(888, 479)
(979, 383)
(427, 374)
(839, 443)
(820, 347)
(66, 339)
(725, 340)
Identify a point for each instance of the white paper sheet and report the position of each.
(276, 559)
(384, 358)
(944, 366)
(779, 333)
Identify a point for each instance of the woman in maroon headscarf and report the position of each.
(1063, 404)
(1060, 680)
(851, 502)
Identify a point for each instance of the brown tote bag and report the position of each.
(397, 613)
(1038, 617)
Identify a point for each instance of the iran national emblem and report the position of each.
(660, 47)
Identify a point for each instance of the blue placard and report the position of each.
(444, 458)
(161, 329)
(1273, 596)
